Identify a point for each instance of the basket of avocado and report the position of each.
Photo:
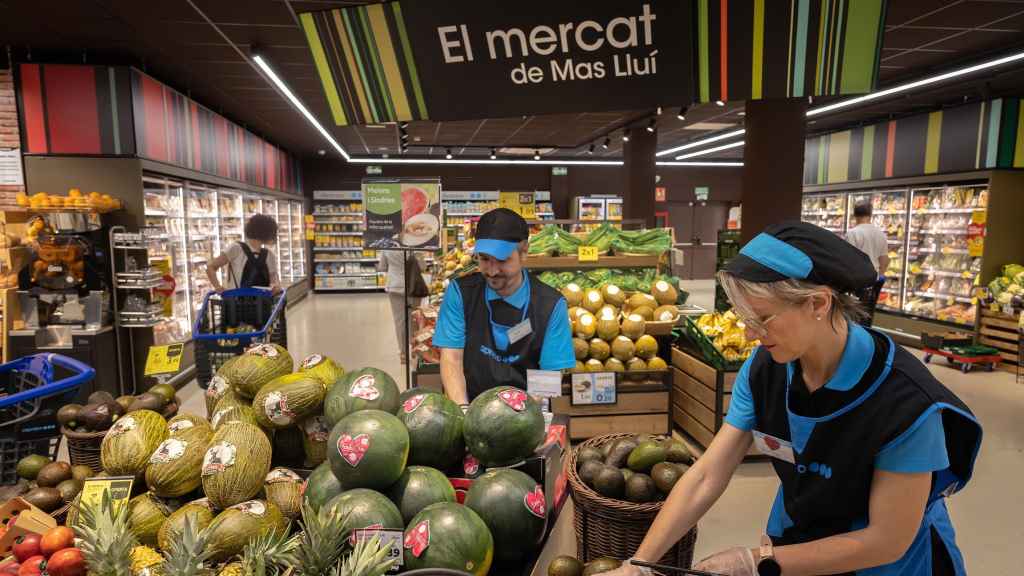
(618, 484)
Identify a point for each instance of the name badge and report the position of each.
(774, 447)
(519, 331)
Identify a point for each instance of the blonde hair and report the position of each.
(789, 291)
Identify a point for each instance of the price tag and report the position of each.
(544, 383)
(164, 359)
(587, 254)
(119, 487)
(390, 540)
(593, 388)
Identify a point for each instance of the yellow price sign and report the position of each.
(119, 487)
(165, 359)
(587, 254)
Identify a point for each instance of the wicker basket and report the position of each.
(84, 447)
(615, 528)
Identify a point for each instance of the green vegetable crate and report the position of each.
(695, 342)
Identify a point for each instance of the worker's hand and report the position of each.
(218, 288)
(627, 569)
(275, 288)
(737, 561)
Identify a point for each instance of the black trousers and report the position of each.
(869, 300)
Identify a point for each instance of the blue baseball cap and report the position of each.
(499, 232)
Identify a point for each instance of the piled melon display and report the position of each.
(609, 326)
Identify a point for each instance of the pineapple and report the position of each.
(146, 561)
(367, 558)
(187, 554)
(323, 545)
(233, 569)
(270, 554)
(106, 538)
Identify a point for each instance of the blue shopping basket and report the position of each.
(29, 401)
(231, 309)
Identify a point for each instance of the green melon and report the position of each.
(513, 507)
(201, 513)
(220, 384)
(185, 421)
(435, 430)
(406, 394)
(129, 442)
(287, 400)
(366, 508)
(315, 432)
(284, 488)
(233, 528)
(448, 535)
(368, 449)
(321, 486)
(146, 514)
(176, 466)
(503, 426)
(419, 487)
(363, 389)
(257, 367)
(322, 368)
(235, 464)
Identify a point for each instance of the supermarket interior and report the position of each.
(251, 250)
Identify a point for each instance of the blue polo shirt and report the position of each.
(556, 352)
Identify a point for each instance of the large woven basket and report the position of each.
(615, 528)
(84, 447)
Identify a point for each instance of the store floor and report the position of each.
(356, 330)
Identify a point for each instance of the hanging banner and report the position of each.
(402, 214)
(976, 234)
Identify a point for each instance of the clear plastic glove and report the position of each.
(627, 569)
(732, 562)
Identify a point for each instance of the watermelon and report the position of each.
(363, 389)
(321, 486)
(503, 426)
(406, 394)
(447, 535)
(513, 507)
(366, 509)
(368, 449)
(420, 487)
(435, 430)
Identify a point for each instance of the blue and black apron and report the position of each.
(835, 435)
(486, 366)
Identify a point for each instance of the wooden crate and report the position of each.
(700, 397)
(1002, 332)
(641, 407)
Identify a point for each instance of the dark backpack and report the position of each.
(255, 272)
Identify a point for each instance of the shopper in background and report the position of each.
(866, 442)
(871, 240)
(501, 321)
(396, 264)
(250, 263)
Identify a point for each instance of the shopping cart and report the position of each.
(231, 309)
(29, 401)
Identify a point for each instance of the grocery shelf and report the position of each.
(336, 248)
(944, 273)
(346, 260)
(939, 295)
(572, 262)
(351, 289)
(322, 275)
(346, 213)
(463, 213)
(895, 242)
(822, 213)
(962, 251)
(934, 232)
(948, 210)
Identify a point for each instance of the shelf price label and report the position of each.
(119, 488)
(593, 388)
(165, 359)
(587, 254)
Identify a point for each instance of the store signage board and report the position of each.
(544, 383)
(337, 195)
(485, 195)
(587, 254)
(702, 193)
(659, 194)
(521, 203)
(374, 170)
(559, 171)
(119, 488)
(593, 388)
(976, 234)
(164, 359)
(402, 214)
(10, 167)
(390, 540)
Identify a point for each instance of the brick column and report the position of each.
(9, 135)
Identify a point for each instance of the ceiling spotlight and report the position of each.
(682, 113)
(448, 153)
(494, 153)
(719, 103)
(590, 149)
(625, 135)
(651, 124)
(658, 111)
(403, 125)
(321, 152)
(607, 142)
(536, 154)
(404, 136)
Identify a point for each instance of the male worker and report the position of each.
(871, 240)
(500, 321)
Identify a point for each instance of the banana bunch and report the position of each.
(726, 332)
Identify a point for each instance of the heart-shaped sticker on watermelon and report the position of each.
(417, 538)
(516, 399)
(353, 449)
(470, 465)
(412, 403)
(535, 502)
(365, 387)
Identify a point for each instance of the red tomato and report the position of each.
(10, 569)
(56, 539)
(26, 546)
(66, 562)
(32, 566)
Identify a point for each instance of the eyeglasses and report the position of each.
(759, 326)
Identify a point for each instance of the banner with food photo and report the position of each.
(402, 214)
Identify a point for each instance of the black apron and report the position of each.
(484, 365)
(836, 435)
(256, 272)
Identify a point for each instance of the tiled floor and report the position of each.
(356, 330)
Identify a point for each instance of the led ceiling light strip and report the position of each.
(710, 150)
(298, 104)
(698, 163)
(703, 141)
(357, 160)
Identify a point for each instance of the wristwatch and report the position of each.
(766, 564)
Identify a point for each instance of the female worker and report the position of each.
(866, 442)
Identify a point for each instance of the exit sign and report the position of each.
(374, 170)
(559, 171)
(702, 193)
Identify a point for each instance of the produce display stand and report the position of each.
(567, 262)
(1001, 331)
(642, 407)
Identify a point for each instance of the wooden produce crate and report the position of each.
(572, 262)
(641, 407)
(1002, 332)
(700, 396)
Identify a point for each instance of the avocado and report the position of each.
(96, 417)
(68, 415)
(165, 391)
(80, 472)
(148, 401)
(665, 476)
(53, 473)
(640, 488)
(600, 565)
(69, 489)
(646, 455)
(588, 453)
(676, 451)
(29, 466)
(609, 482)
(565, 566)
(100, 397)
(46, 499)
(116, 410)
(606, 448)
(626, 473)
(125, 401)
(681, 467)
(620, 452)
(589, 470)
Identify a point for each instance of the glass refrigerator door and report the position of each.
(203, 239)
(251, 205)
(298, 242)
(168, 252)
(614, 209)
(230, 218)
(591, 209)
(888, 212)
(826, 210)
(944, 257)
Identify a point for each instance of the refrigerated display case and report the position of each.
(888, 212)
(825, 210)
(203, 239)
(298, 240)
(168, 252)
(596, 208)
(340, 263)
(230, 216)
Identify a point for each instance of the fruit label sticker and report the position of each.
(275, 406)
(365, 387)
(205, 502)
(353, 449)
(413, 403)
(252, 507)
(515, 398)
(774, 447)
(219, 415)
(282, 475)
(168, 450)
(218, 386)
(264, 350)
(218, 458)
(316, 429)
(122, 425)
(390, 540)
(103, 409)
(417, 538)
(470, 465)
(179, 425)
(364, 533)
(311, 361)
(535, 502)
